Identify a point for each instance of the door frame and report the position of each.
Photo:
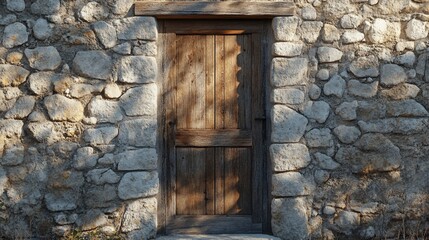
(168, 28)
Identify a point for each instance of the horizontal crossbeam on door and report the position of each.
(214, 138)
(227, 9)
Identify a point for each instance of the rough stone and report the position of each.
(310, 31)
(93, 64)
(3, 180)
(22, 108)
(352, 36)
(406, 108)
(407, 59)
(323, 74)
(330, 33)
(405, 126)
(146, 48)
(124, 48)
(308, 13)
(318, 110)
(371, 153)
(290, 184)
(14, 58)
(140, 101)
(122, 6)
(61, 108)
(321, 176)
(85, 158)
(138, 184)
(288, 72)
(365, 66)
(40, 83)
(42, 30)
(416, 29)
(105, 110)
(291, 212)
(289, 157)
(401, 91)
(138, 69)
(392, 74)
(13, 156)
(368, 110)
(45, 7)
(287, 125)
(112, 90)
(102, 176)
(319, 137)
(81, 90)
(100, 196)
(43, 58)
(287, 96)
(137, 28)
(347, 220)
(335, 86)
(92, 219)
(138, 132)
(392, 6)
(365, 90)
(314, 91)
(44, 132)
(15, 5)
(142, 159)
(325, 162)
(8, 19)
(328, 54)
(105, 33)
(405, 45)
(100, 136)
(347, 110)
(60, 201)
(329, 210)
(351, 21)
(347, 134)
(287, 49)
(141, 215)
(93, 11)
(285, 28)
(15, 34)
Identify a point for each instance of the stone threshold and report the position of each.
(219, 236)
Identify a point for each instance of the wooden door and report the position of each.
(215, 117)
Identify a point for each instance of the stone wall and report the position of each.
(350, 92)
(79, 107)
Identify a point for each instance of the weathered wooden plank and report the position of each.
(232, 50)
(190, 181)
(257, 115)
(213, 138)
(169, 67)
(213, 225)
(219, 181)
(226, 9)
(210, 181)
(219, 82)
(208, 27)
(238, 183)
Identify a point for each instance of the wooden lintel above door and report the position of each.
(229, 9)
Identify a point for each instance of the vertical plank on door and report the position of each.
(169, 66)
(190, 181)
(238, 185)
(210, 121)
(219, 122)
(258, 117)
(232, 50)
